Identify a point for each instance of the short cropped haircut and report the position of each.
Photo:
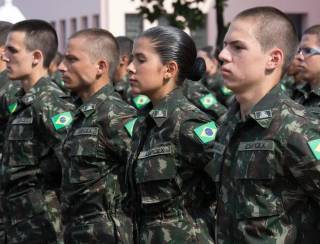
(100, 44)
(313, 30)
(39, 35)
(125, 45)
(4, 31)
(209, 50)
(273, 28)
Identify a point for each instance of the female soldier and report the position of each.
(170, 193)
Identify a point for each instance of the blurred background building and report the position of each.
(121, 16)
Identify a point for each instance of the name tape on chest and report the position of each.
(256, 145)
(89, 131)
(156, 151)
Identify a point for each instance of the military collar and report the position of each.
(165, 107)
(29, 97)
(89, 107)
(262, 112)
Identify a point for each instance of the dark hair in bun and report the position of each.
(198, 69)
(173, 44)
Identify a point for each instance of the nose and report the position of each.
(130, 68)
(299, 56)
(224, 55)
(62, 67)
(4, 57)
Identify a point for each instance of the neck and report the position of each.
(158, 95)
(28, 82)
(250, 98)
(92, 89)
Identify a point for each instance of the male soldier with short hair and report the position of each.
(309, 65)
(30, 170)
(267, 151)
(97, 145)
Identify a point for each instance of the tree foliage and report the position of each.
(186, 13)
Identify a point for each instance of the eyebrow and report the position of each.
(235, 42)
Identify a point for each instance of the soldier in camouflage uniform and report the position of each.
(309, 58)
(204, 99)
(213, 79)
(170, 194)
(4, 81)
(55, 74)
(97, 145)
(121, 79)
(267, 151)
(30, 170)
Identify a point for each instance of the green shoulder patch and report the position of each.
(315, 148)
(206, 132)
(140, 101)
(12, 107)
(208, 100)
(226, 91)
(62, 120)
(129, 126)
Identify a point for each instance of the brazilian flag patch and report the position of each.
(129, 126)
(206, 132)
(226, 91)
(315, 148)
(61, 120)
(140, 101)
(208, 100)
(12, 107)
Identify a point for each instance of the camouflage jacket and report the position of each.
(268, 170)
(96, 151)
(205, 100)
(309, 98)
(30, 165)
(56, 77)
(7, 96)
(170, 193)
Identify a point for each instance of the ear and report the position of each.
(171, 70)
(37, 57)
(275, 59)
(102, 67)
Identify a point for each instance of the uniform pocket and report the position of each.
(255, 171)
(156, 173)
(21, 135)
(87, 161)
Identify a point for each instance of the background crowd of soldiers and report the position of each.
(119, 140)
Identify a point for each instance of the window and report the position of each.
(96, 21)
(297, 20)
(63, 34)
(134, 25)
(84, 22)
(73, 25)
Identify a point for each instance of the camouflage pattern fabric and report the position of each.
(96, 151)
(205, 100)
(268, 170)
(56, 77)
(308, 97)
(170, 196)
(215, 85)
(7, 91)
(30, 169)
(287, 84)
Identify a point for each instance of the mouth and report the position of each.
(225, 71)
